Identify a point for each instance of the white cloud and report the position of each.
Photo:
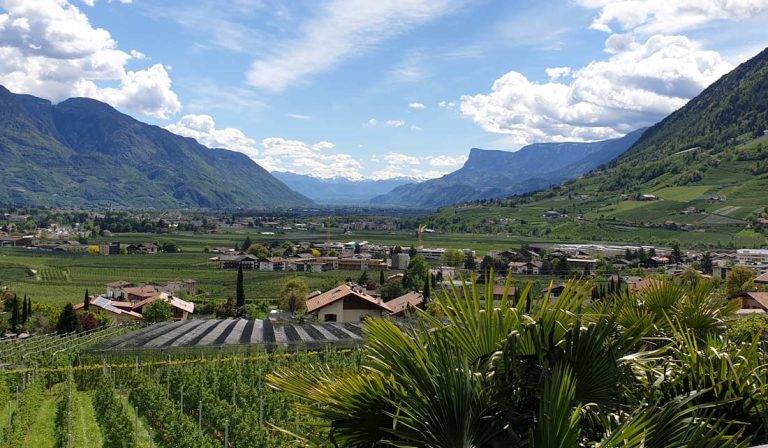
(93, 2)
(49, 48)
(447, 105)
(638, 84)
(414, 174)
(203, 129)
(296, 156)
(397, 159)
(447, 161)
(665, 16)
(416, 128)
(555, 73)
(341, 29)
(300, 116)
(416, 105)
(411, 69)
(386, 123)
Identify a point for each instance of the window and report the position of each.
(329, 317)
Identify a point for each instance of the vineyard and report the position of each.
(62, 278)
(157, 400)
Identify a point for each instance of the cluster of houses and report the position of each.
(125, 301)
(362, 256)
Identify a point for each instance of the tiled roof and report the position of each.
(400, 304)
(340, 293)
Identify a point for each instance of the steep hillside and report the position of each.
(85, 153)
(706, 164)
(338, 191)
(493, 174)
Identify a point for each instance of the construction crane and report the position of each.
(420, 233)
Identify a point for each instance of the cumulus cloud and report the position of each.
(638, 84)
(416, 105)
(555, 73)
(320, 159)
(203, 129)
(48, 48)
(341, 29)
(279, 154)
(397, 159)
(447, 161)
(664, 16)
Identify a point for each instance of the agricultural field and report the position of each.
(59, 278)
(159, 401)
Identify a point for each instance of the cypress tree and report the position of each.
(29, 308)
(247, 243)
(382, 280)
(15, 317)
(239, 292)
(406, 281)
(363, 278)
(86, 301)
(24, 315)
(426, 292)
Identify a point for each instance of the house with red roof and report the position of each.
(345, 304)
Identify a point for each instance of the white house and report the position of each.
(344, 304)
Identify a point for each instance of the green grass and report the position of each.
(42, 434)
(85, 428)
(682, 194)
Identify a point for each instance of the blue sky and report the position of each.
(366, 89)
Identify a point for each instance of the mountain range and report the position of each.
(339, 190)
(492, 174)
(704, 168)
(84, 153)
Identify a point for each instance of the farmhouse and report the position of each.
(103, 305)
(109, 248)
(344, 304)
(643, 284)
(400, 305)
(16, 240)
(752, 302)
(762, 279)
(132, 308)
(236, 261)
(140, 249)
(520, 267)
(116, 289)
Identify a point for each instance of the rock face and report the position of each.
(493, 174)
